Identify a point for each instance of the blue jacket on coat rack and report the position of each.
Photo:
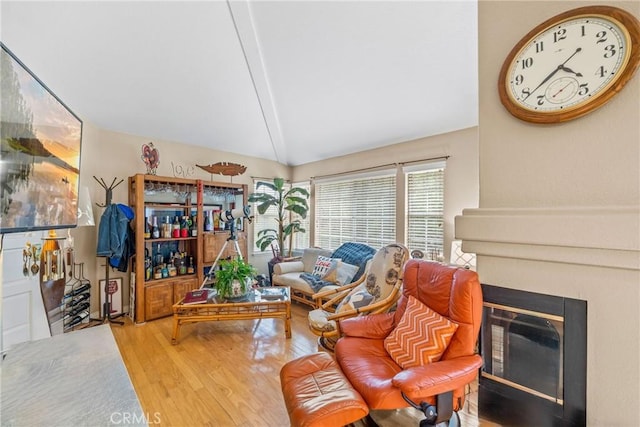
(115, 237)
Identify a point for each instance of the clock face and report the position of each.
(570, 64)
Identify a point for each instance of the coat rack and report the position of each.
(106, 305)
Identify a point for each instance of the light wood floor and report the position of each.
(226, 373)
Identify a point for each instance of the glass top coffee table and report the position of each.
(260, 303)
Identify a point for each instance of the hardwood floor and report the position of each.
(225, 373)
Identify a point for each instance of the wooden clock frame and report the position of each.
(628, 23)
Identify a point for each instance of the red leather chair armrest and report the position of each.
(438, 377)
(376, 326)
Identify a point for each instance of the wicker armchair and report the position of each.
(375, 292)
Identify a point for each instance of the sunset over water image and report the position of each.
(40, 141)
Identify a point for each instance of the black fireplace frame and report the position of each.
(504, 404)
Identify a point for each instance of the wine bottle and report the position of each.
(73, 312)
(155, 231)
(194, 227)
(147, 228)
(208, 226)
(184, 226)
(77, 300)
(77, 291)
(175, 230)
(79, 318)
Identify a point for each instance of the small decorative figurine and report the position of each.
(150, 157)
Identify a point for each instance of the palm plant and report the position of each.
(287, 202)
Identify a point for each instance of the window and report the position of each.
(301, 240)
(358, 209)
(425, 209)
(268, 219)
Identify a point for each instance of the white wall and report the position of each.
(560, 210)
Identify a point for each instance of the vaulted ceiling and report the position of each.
(291, 81)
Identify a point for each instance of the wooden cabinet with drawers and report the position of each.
(172, 262)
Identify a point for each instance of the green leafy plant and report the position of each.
(230, 271)
(287, 202)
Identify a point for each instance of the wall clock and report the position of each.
(570, 64)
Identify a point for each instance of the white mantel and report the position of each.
(591, 236)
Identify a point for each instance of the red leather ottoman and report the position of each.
(317, 393)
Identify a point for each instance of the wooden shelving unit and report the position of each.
(162, 197)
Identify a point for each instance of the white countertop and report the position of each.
(74, 379)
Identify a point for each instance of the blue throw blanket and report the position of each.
(355, 254)
(315, 282)
(351, 253)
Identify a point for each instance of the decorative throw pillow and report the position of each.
(421, 336)
(332, 274)
(324, 265)
(345, 273)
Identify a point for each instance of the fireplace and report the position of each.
(534, 352)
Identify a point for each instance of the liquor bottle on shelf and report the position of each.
(148, 268)
(147, 228)
(166, 228)
(155, 231)
(159, 258)
(216, 220)
(79, 318)
(182, 267)
(184, 226)
(175, 228)
(190, 266)
(73, 312)
(208, 225)
(194, 227)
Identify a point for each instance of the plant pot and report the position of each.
(239, 291)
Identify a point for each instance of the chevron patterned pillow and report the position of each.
(421, 336)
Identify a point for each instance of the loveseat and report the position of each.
(353, 260)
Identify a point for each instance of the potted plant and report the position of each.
(287, 202)
(234, 278)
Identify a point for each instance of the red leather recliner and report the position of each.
(437, 388)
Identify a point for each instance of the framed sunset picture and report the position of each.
(40, 140)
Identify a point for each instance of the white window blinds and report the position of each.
(358, 209)
(425, 209)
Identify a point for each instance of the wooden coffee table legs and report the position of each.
(206, 313)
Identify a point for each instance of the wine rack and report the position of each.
(76, 302)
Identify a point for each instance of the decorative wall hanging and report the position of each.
(150, 157)
(224, 168)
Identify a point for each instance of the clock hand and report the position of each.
(569, 70)
(561, 90)
(553, 73)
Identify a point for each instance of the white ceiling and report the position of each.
(291, 81)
